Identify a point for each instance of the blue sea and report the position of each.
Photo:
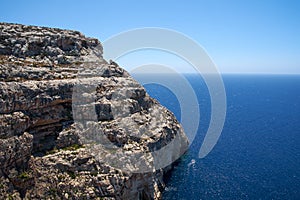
(258, 153)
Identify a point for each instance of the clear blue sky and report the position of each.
(257, 36)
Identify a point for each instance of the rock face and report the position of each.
(47, 151)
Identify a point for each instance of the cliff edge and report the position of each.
(48, 148)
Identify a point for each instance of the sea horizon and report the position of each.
(257, 154)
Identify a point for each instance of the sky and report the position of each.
(257, 36)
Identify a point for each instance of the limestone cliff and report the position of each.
(44, 153)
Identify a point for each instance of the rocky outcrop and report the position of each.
(52, 146)
(48, 44)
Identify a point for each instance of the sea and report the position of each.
(258, 153)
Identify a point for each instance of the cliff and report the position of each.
(47, 148)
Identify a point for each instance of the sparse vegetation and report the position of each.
(72, 147)
(10, 197)
(52, 151)
(24, 175)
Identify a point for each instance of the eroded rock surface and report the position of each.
(45, 153)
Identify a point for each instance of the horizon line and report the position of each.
(222, 73)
